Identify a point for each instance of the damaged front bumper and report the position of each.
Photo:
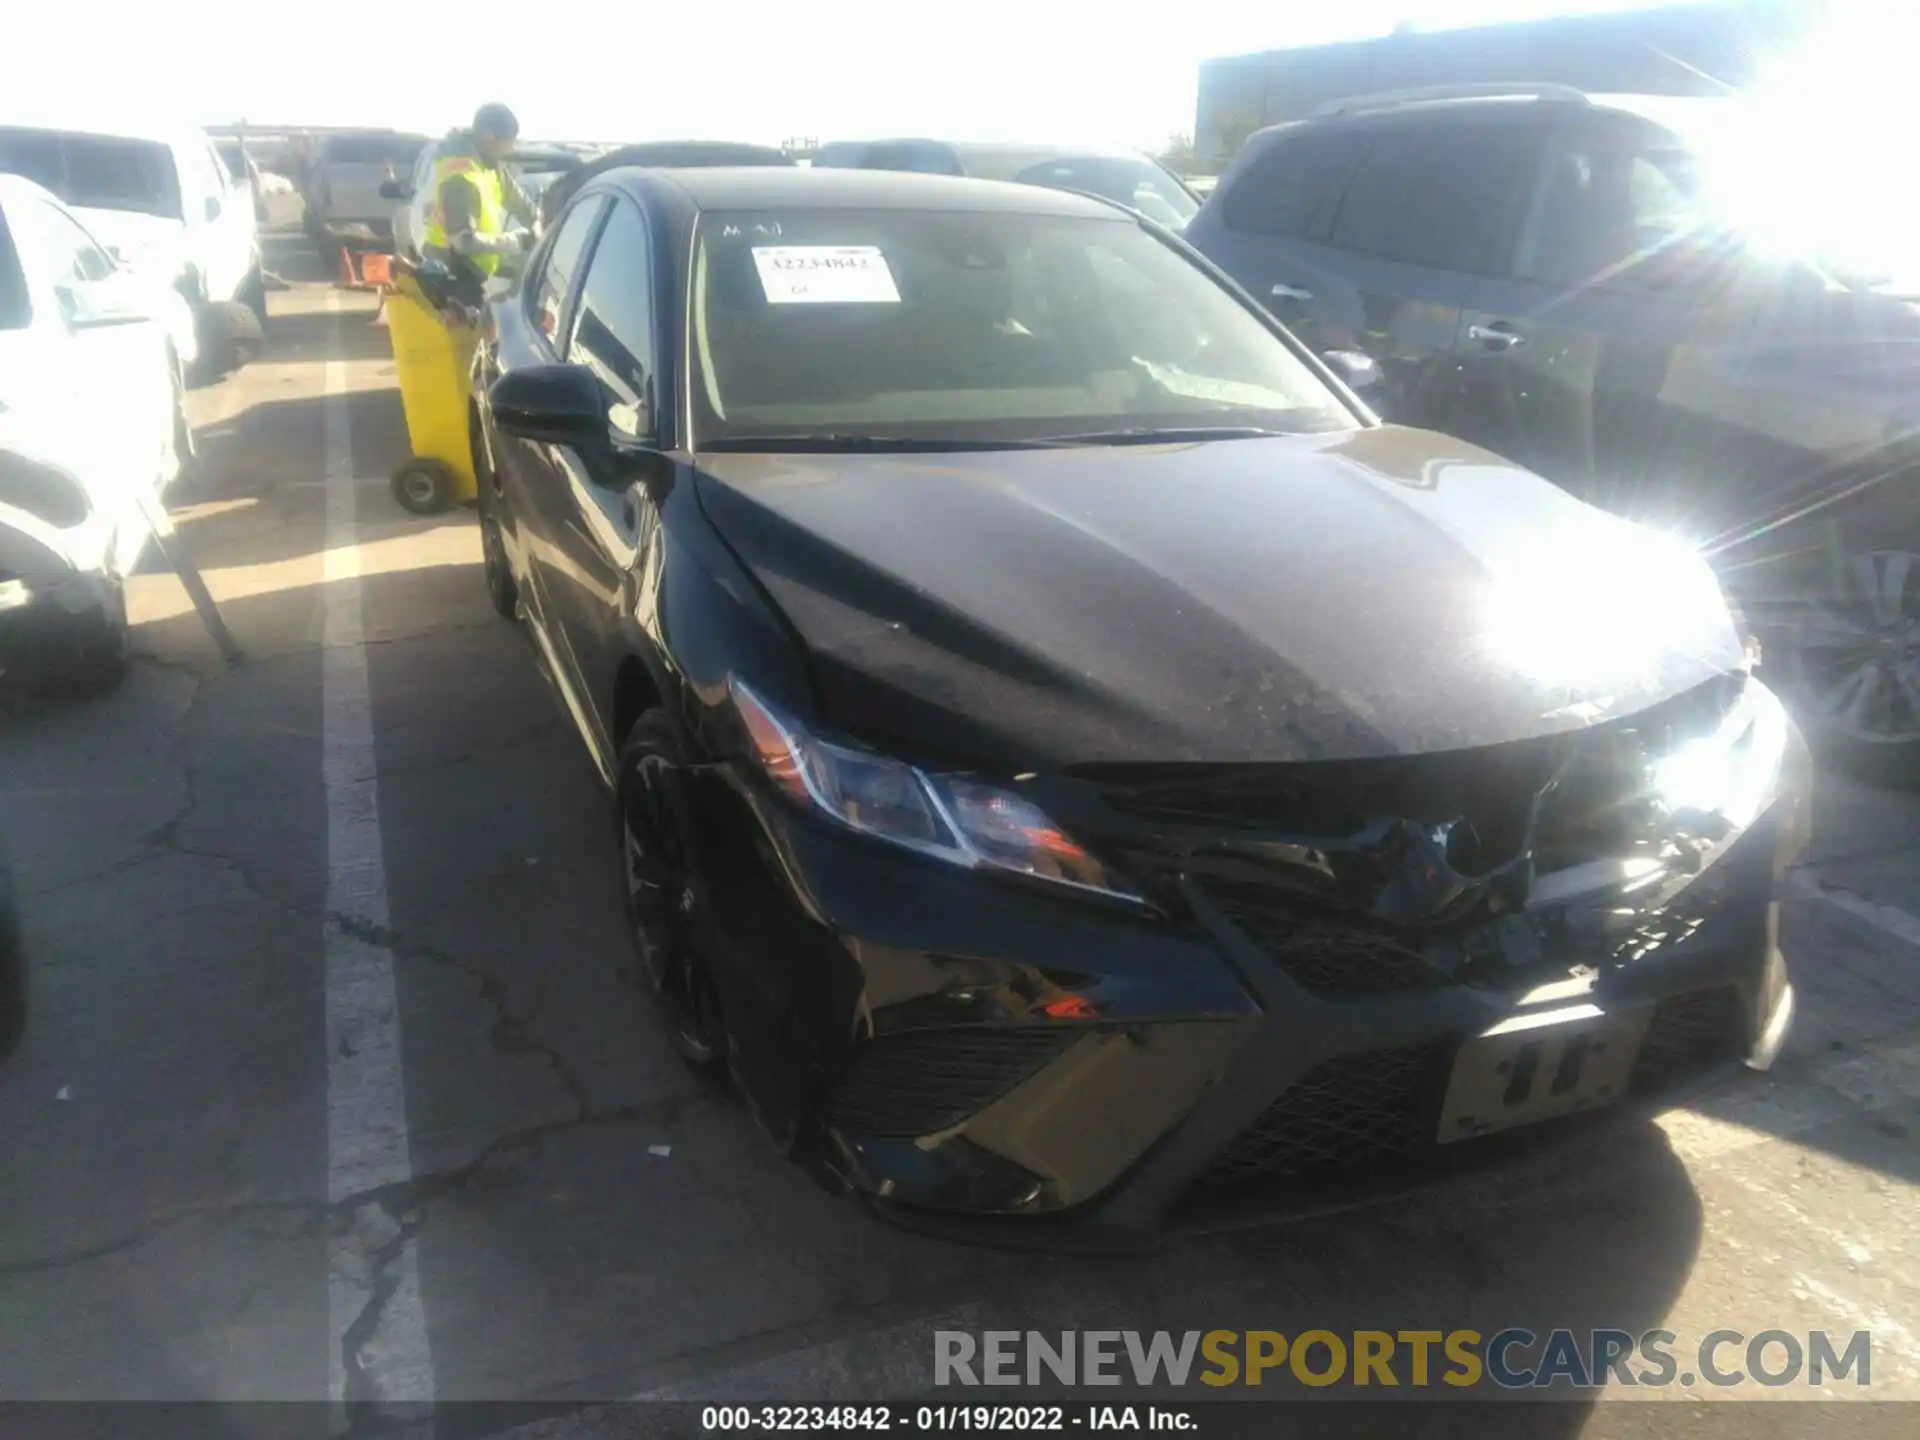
(988, 1056)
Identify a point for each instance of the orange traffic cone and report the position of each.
(346, 281)
(376, 270)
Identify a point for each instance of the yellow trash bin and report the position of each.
(434, 362)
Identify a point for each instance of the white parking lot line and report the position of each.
(373, 1287)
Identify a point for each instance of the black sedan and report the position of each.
(1071, 759)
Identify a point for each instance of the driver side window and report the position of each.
(73, 255)
(613, 336)
(555, 286)
(1602, 210)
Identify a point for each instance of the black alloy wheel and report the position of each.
(663, 894)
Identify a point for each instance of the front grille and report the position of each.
(1688, 1034)
(926, 1080)
(1326, 955)
(1345, 1114)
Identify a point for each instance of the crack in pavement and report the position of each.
(409, 1198)
(510, 1034)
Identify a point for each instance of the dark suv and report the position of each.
(1557, 277)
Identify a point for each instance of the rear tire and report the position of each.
(253, 294)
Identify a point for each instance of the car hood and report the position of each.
(1374, 593)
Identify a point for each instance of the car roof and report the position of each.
(1009, 155)
(768, 187)
(1685, 116)
(18, 187)
(102, 126)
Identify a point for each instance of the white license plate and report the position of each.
(1536, 1067)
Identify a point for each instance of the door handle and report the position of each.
(1496, 337)
(1290, 292)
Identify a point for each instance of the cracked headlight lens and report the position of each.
(1732, 772)
(956, 818)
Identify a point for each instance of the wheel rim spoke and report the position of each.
(1906, 676)
(657, 882)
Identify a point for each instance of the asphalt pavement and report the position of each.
(334, 1084)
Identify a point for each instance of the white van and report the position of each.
(161, 201)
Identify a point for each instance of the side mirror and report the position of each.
(213, 209)
(1359, 370)
(554, 404)
(100, 303)
(394, 190)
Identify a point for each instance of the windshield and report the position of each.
(96, 171)
(967, 327)
(1134, 183)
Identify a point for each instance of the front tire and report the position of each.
(1848, 660)
(502, 593)
(664, 894)
(90, 656)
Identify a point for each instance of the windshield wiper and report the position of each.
(897, 444)
(1149, 435)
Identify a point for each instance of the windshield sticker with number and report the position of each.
(825, 275)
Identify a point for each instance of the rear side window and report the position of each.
(399, 151)
(1437, 198)
(1291, 190)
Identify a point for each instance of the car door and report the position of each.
(105, 352)
(233, 232)
(602, 512)
(530, 495)
(1622, 353)
(1268, 226)
(1430, 207)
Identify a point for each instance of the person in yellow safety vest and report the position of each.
(473, 197)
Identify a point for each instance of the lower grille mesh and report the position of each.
(926, 1080)
(1343, 1114)
(1689, 1033)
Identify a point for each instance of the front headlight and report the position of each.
(955, 818)
(1732, 772)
